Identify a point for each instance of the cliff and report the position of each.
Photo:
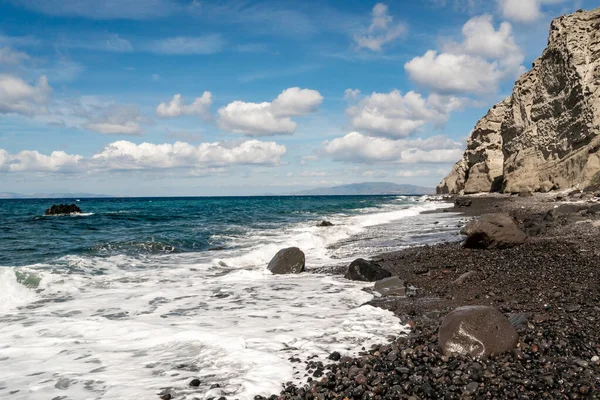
(546, 134)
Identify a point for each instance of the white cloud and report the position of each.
(409, 173)
(381, 31)
(351, 94)
(313, 174)
(124, 155)
(128, 155)
(295, 102)
(117, 120)
(176, 107)
(19, 97)
(182, 45)
(267, 119)
(360, 149)
(395, 115)
(307, 159)
(375, 174)
(10, 56)
(523, 11)
(478, 64)
(34, 161)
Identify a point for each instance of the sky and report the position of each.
(192, 97)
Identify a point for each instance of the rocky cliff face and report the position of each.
(546, 134)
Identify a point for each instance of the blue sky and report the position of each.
(190, 97)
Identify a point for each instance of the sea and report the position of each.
(135, 297)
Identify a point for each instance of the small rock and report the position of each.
(464, 278)
(392, 286)
(462, 203)
(324, 224)
(335, 356)
(195, 382)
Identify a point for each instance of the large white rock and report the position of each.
(547, 132)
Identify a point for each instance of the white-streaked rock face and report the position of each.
(547, 133)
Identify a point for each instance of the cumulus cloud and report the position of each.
(396, 115)
(267, 119)
(117, 120)
(9, 56)
(126, 156)
(360, 149)
(478, 64)
(19, 97)
(176, 107)
(382, 30)
(182, 45)
(34, 161)
(523, 11)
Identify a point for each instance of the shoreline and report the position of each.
(549, 287)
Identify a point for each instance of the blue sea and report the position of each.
(136, 296)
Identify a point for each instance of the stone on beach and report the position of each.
(392, 286)
(287, 261)
(462, 203)
(477, 331)
(63, 209)
(491, 231)
(367, 271)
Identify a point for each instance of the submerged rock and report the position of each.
(63, 209)
(366, 271)
(287, 261)
(324, 223)
(493, 231)
(477, 331)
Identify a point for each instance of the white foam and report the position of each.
(12, 293)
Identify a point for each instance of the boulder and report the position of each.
(392, 286)
(477, 331)
(324, 224)
(492, 231)
(287, 261)
(366, 271)
(462, 203)
(63, 209)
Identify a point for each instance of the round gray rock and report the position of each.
(287, 261)
(478, 331)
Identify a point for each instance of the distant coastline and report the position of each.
(368, 189)
(353, 189)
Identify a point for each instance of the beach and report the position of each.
(549, 288)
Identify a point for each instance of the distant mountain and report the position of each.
(11, 195)
(368, 188)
